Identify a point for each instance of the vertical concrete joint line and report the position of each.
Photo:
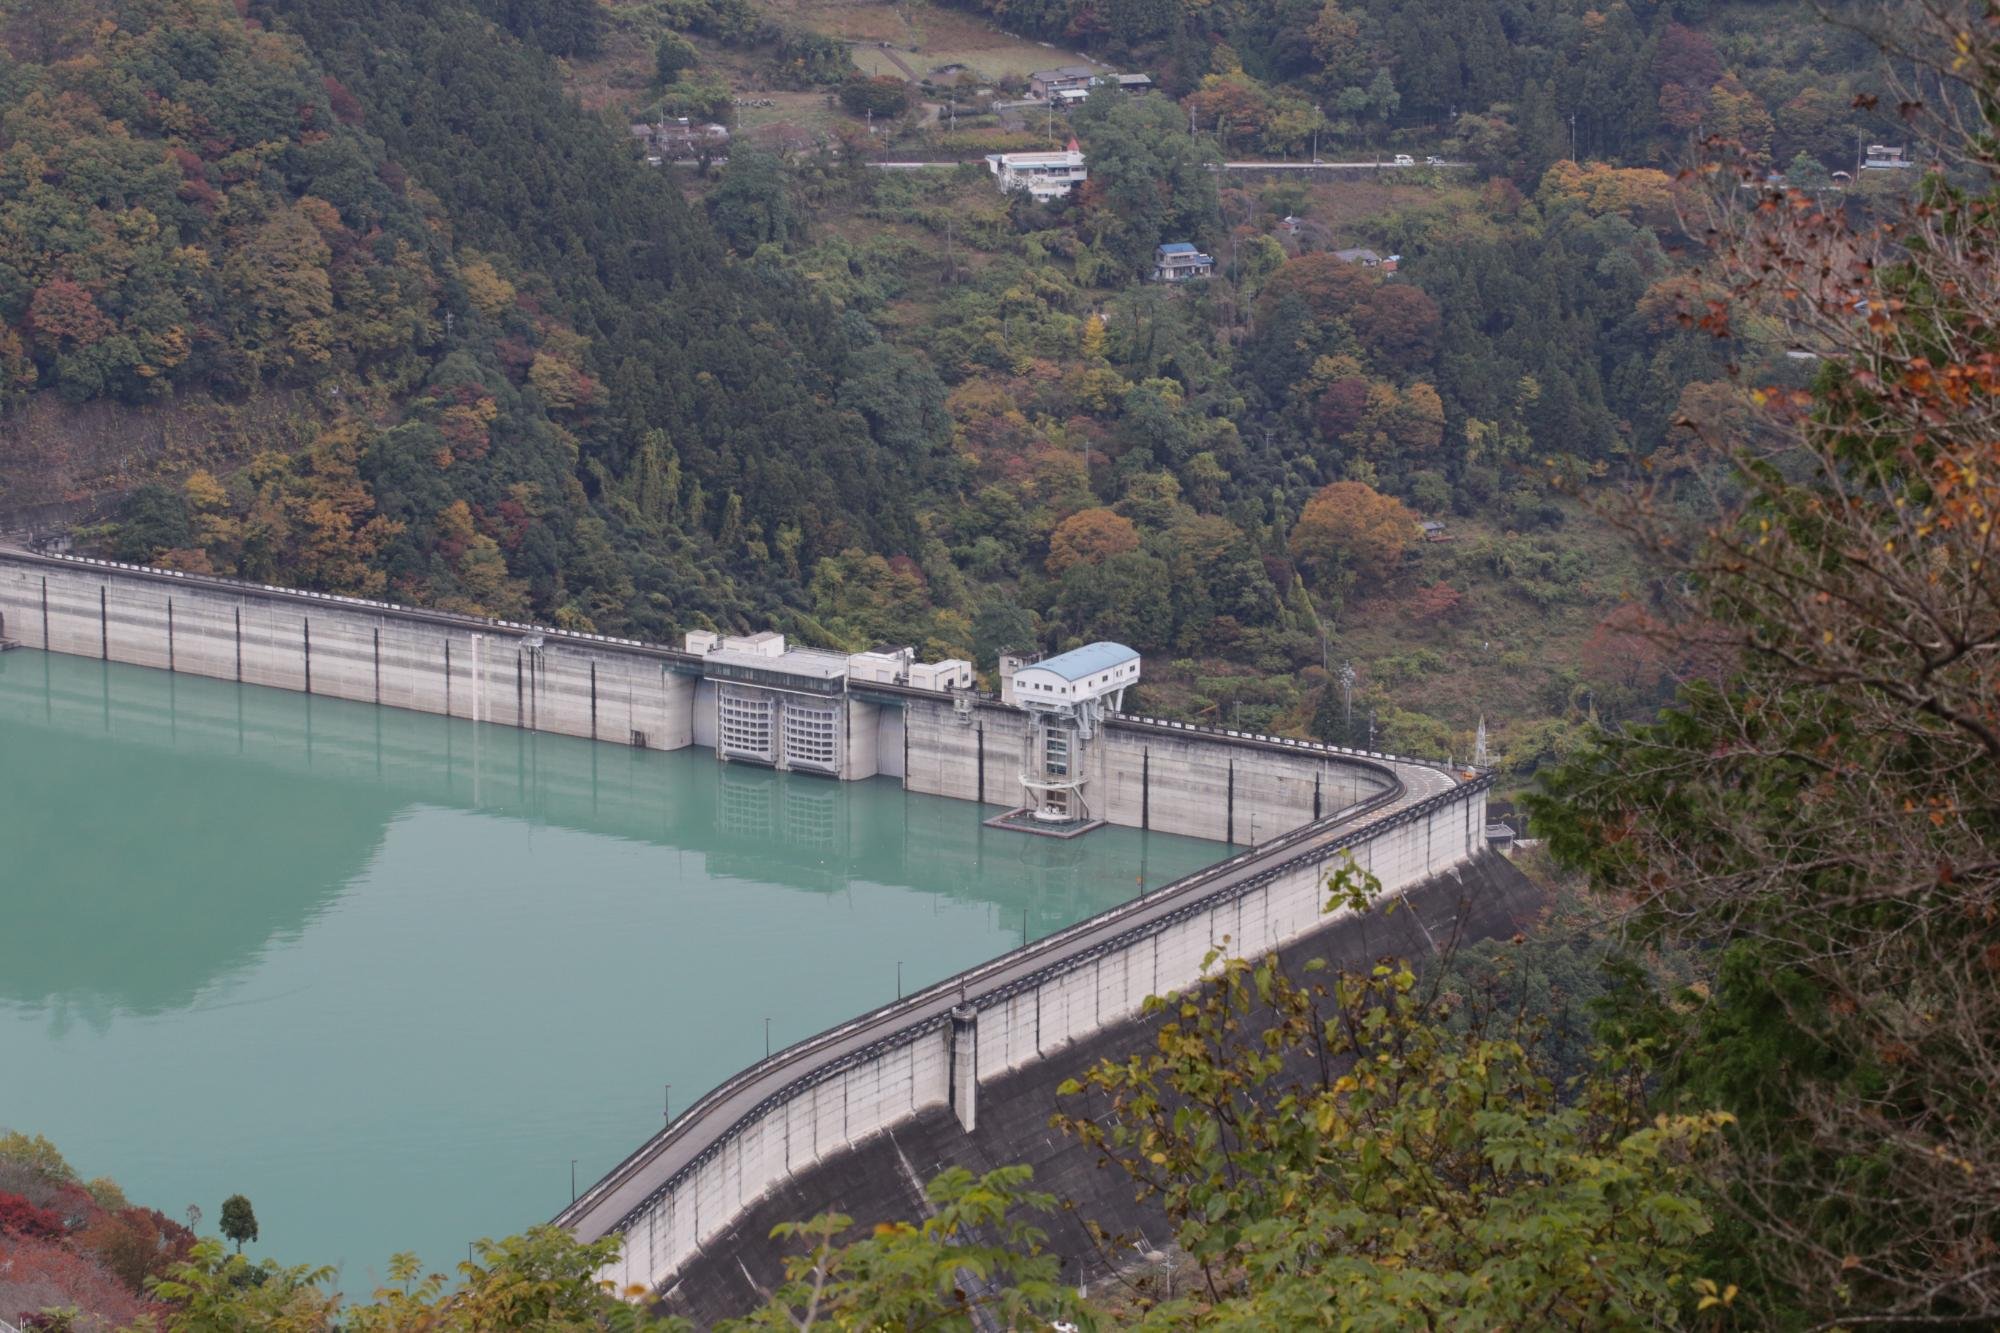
(1231, 837)
(307, 622)
(170, 634)
(378, 664)
(1318, 778)
(237, 612)
(103, 625)
(1145, 787)
(447, 677)
(982, 757)
(520, 692)
(593, 698)
(45, 615)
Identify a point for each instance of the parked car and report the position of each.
(1433, 161)
(1405, 160)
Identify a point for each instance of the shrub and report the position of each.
(18, 1217)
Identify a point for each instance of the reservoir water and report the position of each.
(390, 975)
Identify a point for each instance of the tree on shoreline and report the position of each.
(239, 1221)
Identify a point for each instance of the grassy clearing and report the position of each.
(1511, 649)
(927, 37)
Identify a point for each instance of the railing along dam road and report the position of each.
(690, 1180)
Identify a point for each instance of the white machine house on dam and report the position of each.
(1067, 698)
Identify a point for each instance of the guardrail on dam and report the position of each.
(1311, 805)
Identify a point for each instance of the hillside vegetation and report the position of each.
(524, 373)
(533, 385)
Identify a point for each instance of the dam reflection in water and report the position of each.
(387, 973)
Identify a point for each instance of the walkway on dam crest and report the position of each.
(611, 1204)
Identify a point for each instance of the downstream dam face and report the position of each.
(1298, 810)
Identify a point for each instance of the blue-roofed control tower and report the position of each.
(1068, 695)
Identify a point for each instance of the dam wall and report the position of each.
(1198, 782)
(1307, 808)
(692, 1183)
(882, 1180)
(348, 648)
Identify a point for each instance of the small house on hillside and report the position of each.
(1044, 175)
(1886, 157)
(1369, 259)
(681, 138)
(1046, 83)
(1133, 83)
(1179, 261)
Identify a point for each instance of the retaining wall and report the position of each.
(1196, 781)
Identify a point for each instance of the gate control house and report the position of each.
(1068, 696)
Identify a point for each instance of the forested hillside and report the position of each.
(1525, 82)
(358, 295)
(532, 386)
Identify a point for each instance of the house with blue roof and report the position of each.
(1179, 261)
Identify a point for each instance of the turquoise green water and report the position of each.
(388, 974)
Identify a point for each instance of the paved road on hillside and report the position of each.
(606, 1204)
(1226, 166)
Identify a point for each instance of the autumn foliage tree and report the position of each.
(1823, 820)
(1090, 537)
(1627, 650)
(1346, 1151)
(1350, 525)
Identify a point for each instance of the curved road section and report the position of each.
(1412, 789)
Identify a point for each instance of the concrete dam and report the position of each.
(1302, 808)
